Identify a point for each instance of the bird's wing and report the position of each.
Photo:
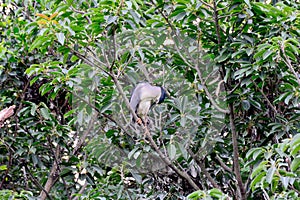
(149, 92)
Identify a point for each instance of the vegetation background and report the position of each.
(228, 130)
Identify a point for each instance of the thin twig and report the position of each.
(80, 12)
(36, 182)
(81, 191)
(288, 62)
(88, 61)
(105, 115)
(206, 4)
(265, 96)
(209, 96)
(83, 137)
(168, 162)
(235, 87)
(223, 165)
(216, 18)
(203, 169)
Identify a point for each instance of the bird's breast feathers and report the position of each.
(144, 107)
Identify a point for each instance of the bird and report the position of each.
(143, 98)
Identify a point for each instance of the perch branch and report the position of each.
(223, 165)
(165, 159)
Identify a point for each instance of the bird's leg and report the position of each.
(139, 121)
(146, 121)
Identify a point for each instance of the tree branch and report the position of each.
(216, 18)
(209, 96)
(236, 164)
(81, 190)
(53, 177)
(223, 165)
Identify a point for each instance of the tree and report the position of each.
(230, 126)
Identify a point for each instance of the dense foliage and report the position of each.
(229, 128)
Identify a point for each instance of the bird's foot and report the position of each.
(139, 121)
(144, 122)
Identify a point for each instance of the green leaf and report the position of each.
(285, 181)
(69, 113)
(172, 151)
(111, 19)
(183, 150)
(39, 41)
(258, 153)
(257, 180)
(267, 54)
(288, 98)
(245, 105)
(295, 149)
(32, 81)
(295, 164)
(261, 50)
(282, 96)
(259, 169)
(33, 109)
(136, 154)
(252, 151)
(135, 16)
(295, 145)
(45, 88)
(161, 39)
(222, 58)
(293, 40)
(45, 113)
(60, 38)
(132, 152)
(255, 104)
(241, 72)
(33, 69)
(196, 195)
(248, 3)
(292, 48)
(137, 177)
(216, 193)
(270, 174)
(3, 167)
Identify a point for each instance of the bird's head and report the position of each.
(163, 95)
